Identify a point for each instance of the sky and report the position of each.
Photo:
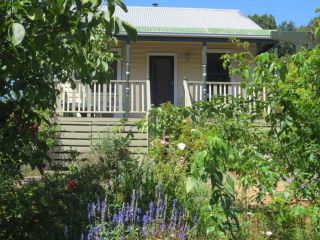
(298, 11)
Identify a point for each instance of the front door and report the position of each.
(161, 71)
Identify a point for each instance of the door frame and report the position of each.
(174, 55)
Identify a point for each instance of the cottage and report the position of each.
(176, 59)
(177, 53)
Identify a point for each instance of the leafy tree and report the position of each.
(266, 21)
(292, 98)
(39, 42)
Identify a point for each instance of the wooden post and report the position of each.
(128, 51)
(148, 89)
(59, 97)
(204, 71)
(187, 98)
(276, 49)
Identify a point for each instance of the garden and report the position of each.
(229, 168)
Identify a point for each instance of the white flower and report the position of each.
(268, 233)
(193, 130)
(182, 146)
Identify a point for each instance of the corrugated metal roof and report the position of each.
(191, 21)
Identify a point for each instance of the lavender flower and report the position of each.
(181, 234)
(91, 211)
(195, 220)
(98, 204)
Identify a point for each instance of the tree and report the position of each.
(286, 48)
(266, 21)
(41, 41)
(293, 93)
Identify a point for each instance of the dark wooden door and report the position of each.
(161, 79)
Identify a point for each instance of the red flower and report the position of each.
(70, 184)
(35, 128)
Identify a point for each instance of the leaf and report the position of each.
(104, 66)
(131, 30)
(230, 182)
(122, 5)
(118, 25)
(246, 74)
(190, 184)
(18, 33)
(34, 14)
(106, 15)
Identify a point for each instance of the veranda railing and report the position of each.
(194, 91)
(104, 98)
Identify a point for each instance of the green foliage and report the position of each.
(211, 164)
(166, 120)
(30, 141)
(265, 21)
(292, 96)
(41, 41)
(46, 209)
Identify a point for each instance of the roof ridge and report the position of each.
(187, 8)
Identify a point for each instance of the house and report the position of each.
(176, 59)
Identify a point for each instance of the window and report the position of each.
(215, 70)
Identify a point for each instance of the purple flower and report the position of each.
(144, 230)
(146, 219)
(151, 209)
(92, 233)
(115, 219)
(98, 204)
(195, 220)
(162, 227)
(174, 203)
(154, 231)
(121, 216)
(181, 234)
(91, 211)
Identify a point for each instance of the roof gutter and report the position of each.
(201, 35)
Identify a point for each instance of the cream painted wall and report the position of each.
(189, 59)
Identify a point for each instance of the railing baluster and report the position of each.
(83, 90)
(137, 105)
(110, 99)
(94, 97)
(120, 97)
(132, 93)
(89, 100)
(142, 97)
(104, 97)
(210, 91)
(196, 93)
(99, 97)
(115, 97)
(79, 96)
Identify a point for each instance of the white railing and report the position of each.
(104, 98)
(194, 91)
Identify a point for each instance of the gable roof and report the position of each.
(191, 22)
